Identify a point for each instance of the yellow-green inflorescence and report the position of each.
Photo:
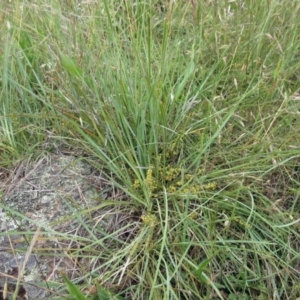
(149, 220)
(174, 181)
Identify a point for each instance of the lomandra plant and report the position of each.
(191, 109)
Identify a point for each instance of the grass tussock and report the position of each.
(194, 109)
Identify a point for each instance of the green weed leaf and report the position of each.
(73, 289)
(188, 73)
(201, 268)
(103, 294)
(71, 66)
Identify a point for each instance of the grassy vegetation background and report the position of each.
(194, 109)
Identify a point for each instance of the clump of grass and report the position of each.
(193, 109)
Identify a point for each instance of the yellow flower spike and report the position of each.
(149, 220)
(172, 173)
(188, 176)
(210, 186)
(194, 190)
(150, 181)
(172, 189)
(136, 184)
(198, 188)
(200, 172)
(186, 191)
